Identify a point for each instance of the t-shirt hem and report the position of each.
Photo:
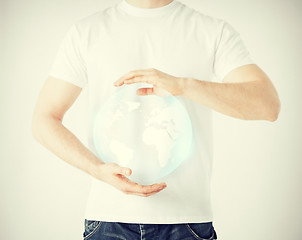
(152, 220)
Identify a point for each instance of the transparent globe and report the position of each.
(152, 135)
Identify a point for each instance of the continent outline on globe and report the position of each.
(152, 135)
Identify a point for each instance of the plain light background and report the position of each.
(257, 166)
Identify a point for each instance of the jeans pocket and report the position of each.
(91, 227)
(202, 231)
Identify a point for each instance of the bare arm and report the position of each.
(55, 99)
(246, 92)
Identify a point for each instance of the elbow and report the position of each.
(41, 123)
(273, 116)
(273, 110)
(270, 102)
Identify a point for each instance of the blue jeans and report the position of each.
(99, 230)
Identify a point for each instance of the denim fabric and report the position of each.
(99, 230)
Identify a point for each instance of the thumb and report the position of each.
(123, 171)
(145, 91)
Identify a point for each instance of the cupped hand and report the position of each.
(160, 81)
(116, 176)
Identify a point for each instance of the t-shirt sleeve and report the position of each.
(230, 53)
(69, 64)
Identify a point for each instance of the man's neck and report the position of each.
(149, 3)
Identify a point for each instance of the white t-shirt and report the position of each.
(174, 39)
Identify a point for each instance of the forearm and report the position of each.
(246, 100)
(52, 134)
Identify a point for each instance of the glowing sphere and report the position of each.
(152, 135)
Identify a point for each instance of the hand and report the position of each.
(158, 79)
(115, 175)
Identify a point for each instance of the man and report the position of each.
(172, 47)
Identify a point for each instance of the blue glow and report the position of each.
(152, 135)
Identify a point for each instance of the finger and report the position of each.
(123, 171)
(136, 79)
(131, 186)
(131, 75)
(134, 73)
(147, 194)
(146, 189)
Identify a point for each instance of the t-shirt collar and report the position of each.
(146, 12)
